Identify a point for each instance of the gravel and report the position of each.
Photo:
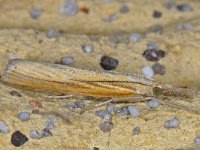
(148, 72)
(106, 126)
(4, 127)
(108, 63)
(134, 111)
(18, 138)
(70, 8)
(24, 116)
(67, 60)
(153, 104)
(88, 48)
(172, 123)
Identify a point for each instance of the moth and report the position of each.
(97, 83)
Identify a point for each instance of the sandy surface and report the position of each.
(25, 38)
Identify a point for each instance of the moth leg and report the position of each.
(136, 99)
(59, 96)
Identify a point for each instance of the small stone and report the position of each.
(24, 116)
(108, 63)
(134, 111)
(158, 69)
(111, 108)
(147, 72)
(51, 123)
(46, 133)
(188, 27)
(170, 4)
(53, 34)
(70, 8)
(124, 9)
(172, 123)
(95, 148)
(156, 28)
(15, 93)
(101, 113)
(34, 134)
(197, 139)
(80, 104)
(88, 48)
(123, 111)
(157, 14)
(152, 45)
(68, 60)
(108, 117)
(106, 126)
(115, 38)
(135, 37)
(36, 13)
(153, 104)
(153, 54)
(4, 127)
(111, 18)
(184, 8)
(136, 131)
(18, 138)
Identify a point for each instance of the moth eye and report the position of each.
(157, 91)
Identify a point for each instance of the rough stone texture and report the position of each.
(74, 131)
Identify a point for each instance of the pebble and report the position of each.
(157, 14)
(155, 28)
(108, 117)
(15, 93)
(106, 126)
(136, 130)
(152, 45)
(53, 33)
(108, 63)
(135, 37)
(4, 127)
(115, 38)
(36, 13)
(172, 123)
(34, 134)
(184, 8)
(187, 26)
(170, 4)
(147, 71)
(111, 108)
(134, 111)
(197, 139)
(123, 111)
(153, 54)
(153, 104)
(18, 138)
(24, 116)
(46, 133)
(51, 123)
(158, 69)
(67, 60)
(79, 104)
(88, 48)
(70, 8)
(124, 9)
(101, 113)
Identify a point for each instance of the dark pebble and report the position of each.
(184, 8)
(18, 138)
(158, 69)
(15, 93)
(106, 126)
(95, 148)
(136, 131)
(46, 133)
(124, 9)
(153, 54)
(108, 63)
(157, 14)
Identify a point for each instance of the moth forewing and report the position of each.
(69, 80)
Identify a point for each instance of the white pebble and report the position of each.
(134, 111)
(135, 37)
(4, 127)
(153, 104)
(172, 123)
(70, 8)
(68, 60)
(147, 71)
(88, 48)
(24, 116)
(34, 134)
